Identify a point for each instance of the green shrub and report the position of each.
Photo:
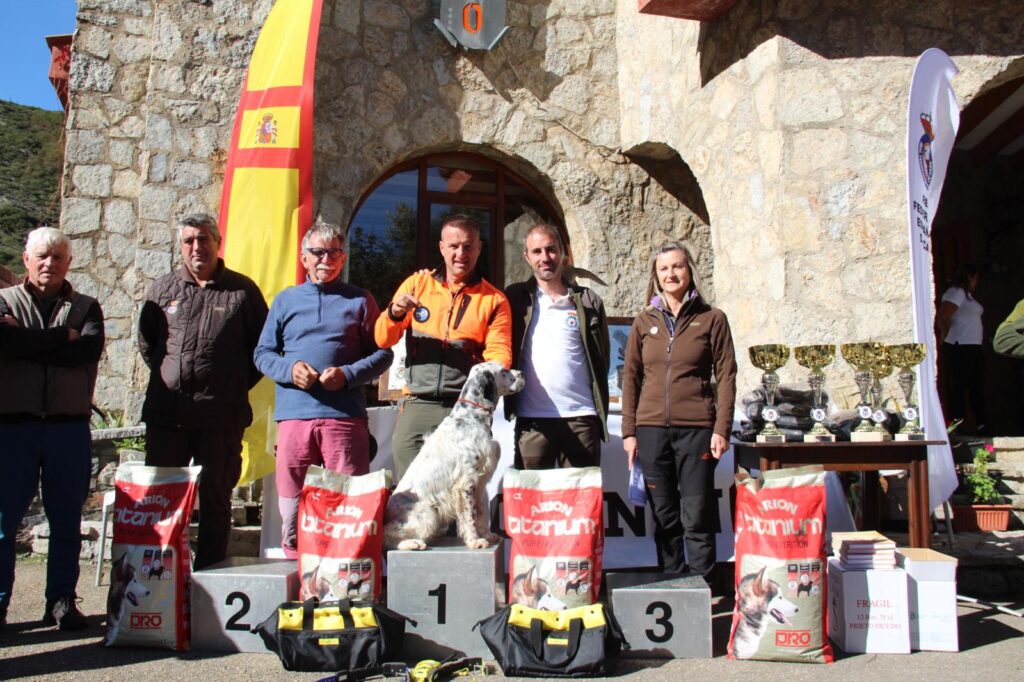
(981, 483)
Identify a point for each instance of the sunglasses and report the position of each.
(320, 253)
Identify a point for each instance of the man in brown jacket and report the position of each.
(197, 332)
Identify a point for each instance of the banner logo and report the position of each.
(924, 151)
(267, 132)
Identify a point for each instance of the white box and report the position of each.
(867, 610)
(931, 592)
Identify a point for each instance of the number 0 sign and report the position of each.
(473, 24)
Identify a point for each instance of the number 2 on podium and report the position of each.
(233, 622)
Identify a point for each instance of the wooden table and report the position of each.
(870, 458)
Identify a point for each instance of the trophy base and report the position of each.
(819, 438)
(910, 436)
(771, 438)
(869, 437)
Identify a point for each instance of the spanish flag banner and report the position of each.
(267, 200)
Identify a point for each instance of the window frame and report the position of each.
(426, 251)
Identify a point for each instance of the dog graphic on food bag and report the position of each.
(531, 590)
(759, 601)
(125, 588)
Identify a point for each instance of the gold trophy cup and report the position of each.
(768, 358)
(815, 358)
(862, 357)
(906, 356)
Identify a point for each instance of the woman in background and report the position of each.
(961, 336)
(671, 419)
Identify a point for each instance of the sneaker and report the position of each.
(64, 613)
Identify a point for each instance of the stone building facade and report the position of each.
(772, 138)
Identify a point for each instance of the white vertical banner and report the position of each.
(932, 121)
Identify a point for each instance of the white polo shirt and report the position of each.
(554, 362)
(965, 327)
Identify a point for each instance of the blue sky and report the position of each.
(24, 25)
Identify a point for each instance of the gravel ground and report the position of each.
(990, 649)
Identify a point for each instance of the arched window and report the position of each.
(397, 224)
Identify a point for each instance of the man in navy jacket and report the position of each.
(317, 345)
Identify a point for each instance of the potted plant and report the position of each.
(986, 510)
(131, 449)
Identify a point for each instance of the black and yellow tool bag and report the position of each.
(317, 636)
(528, 642)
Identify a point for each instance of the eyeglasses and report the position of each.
(320, 253)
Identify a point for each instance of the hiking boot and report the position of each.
(64, 613)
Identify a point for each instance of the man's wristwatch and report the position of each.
(395, 318)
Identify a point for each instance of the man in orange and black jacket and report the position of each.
(451, 320)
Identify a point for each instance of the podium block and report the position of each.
(446, 589)
(662, 615)
(230, 597)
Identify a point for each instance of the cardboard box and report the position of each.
(868, 610)
(931, 593)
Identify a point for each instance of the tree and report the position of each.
(380, 263)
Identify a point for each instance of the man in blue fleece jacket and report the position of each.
(317, 345)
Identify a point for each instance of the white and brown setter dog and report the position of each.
(448, 478)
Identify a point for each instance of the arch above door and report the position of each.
(397, 223)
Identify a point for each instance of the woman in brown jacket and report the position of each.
(671, 419)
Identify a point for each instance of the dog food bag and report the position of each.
(341, 534)
(555, 522)
(151, 564)
(780, 567)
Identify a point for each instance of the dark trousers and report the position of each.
(416, 418)
(58, 454)
(680, 475)
(965, 367)
(550, 443)
(219, 452)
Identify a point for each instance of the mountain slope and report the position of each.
(31, 156)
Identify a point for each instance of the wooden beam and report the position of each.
(698, 10)
(1002, 137)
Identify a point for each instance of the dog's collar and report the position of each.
(477, 405)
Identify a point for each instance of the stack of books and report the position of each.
(863, 550)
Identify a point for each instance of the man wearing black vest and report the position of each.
(51, 339)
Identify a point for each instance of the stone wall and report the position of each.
(792, 116)
(772, 138)
(155, 84)
(544, 103)
(154, 87)
(1009, 464)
